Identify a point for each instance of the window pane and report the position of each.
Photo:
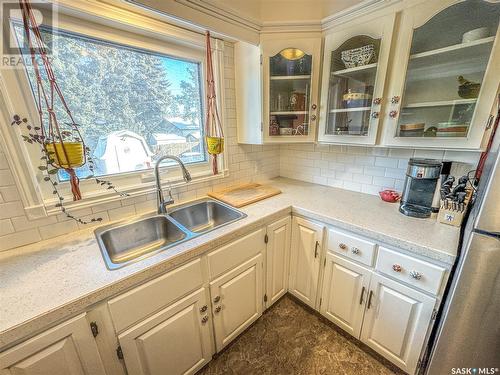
(132, 105)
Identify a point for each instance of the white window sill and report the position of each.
(93, 200)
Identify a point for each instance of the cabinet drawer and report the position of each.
(351, 246)
(421, 274)
(235, 253)
(140, 302)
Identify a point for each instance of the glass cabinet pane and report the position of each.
(350, 93)
(289, 93)
(448, 59)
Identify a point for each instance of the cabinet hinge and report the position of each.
(94, 328)
(265, 297)
(119, 352)
(324, 263)
(260, 59)
(320, 300)
(266, 238)
(434, 314)
(419, 363)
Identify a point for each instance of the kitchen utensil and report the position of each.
(389, 195)
(244, 194)
(475, 34)
(468, 89)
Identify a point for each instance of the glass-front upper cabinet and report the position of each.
(354, 71)
(290, 89)
(445, 75)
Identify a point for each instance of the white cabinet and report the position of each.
(352, 90)
(277, 88)
(396, 321)
(237, 300)
(67, 349)
(277, 259)
(443, 79)
(307, 238)
(345, 288)
(176, 340)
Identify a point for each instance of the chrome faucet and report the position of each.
(162, 204)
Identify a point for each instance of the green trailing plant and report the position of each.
(35, 136)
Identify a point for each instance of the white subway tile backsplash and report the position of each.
(429, 154)
(395, 173)
(374, 171)
(6, 227)
(16, 239)
(386, 162)
(385, 182)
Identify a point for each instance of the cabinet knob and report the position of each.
(216, 299)
(204, 319)
(396, 268)
(342, 246)
(393, 114)
(416, 275)
(395, 99)
(313, 117)
(218, 309)
(314, 106)
(377, 101)
(355, 250)
(203, 308)
(375, 114)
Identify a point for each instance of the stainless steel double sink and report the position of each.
(131, 240)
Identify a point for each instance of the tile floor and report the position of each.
(290, 339)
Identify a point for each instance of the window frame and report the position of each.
(36, 194)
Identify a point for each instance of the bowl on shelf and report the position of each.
(468, 89)
(475, 34)
(358, 56)
(286, 131)
(357, 99)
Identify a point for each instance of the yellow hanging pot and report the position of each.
(215, 145)
(74, 152)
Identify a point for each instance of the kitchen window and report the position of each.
(132, 105)
(137, 92)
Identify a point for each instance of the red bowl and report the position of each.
(389, 195)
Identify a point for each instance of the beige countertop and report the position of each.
(43, 283)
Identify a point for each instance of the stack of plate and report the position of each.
(452, 129)
(412, 130)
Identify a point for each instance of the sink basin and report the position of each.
(205, 215)
(132, 240)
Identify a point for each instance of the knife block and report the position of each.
(453, 216)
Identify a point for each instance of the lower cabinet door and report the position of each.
(305, 257)
(236, 300)
(174, 341)
(277, 257)
(67, 349)
(396, 322)
(345, 288)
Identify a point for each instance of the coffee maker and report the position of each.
(420, 184)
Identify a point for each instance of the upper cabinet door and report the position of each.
(354, 72)
(444, 75)
(290, 89)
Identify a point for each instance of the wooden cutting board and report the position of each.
(241, 195)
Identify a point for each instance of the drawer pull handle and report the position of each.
(416, 275)
(217, 299)
(343, 246)
(361, 296)
(203, 308)
(370, 299)
(218, 309)
(204, 319)
(355, 250)
(316, 249)
(396, 268)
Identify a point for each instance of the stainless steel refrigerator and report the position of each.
(468, 332)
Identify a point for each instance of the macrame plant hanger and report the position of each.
(65, 148)
(213, 128)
